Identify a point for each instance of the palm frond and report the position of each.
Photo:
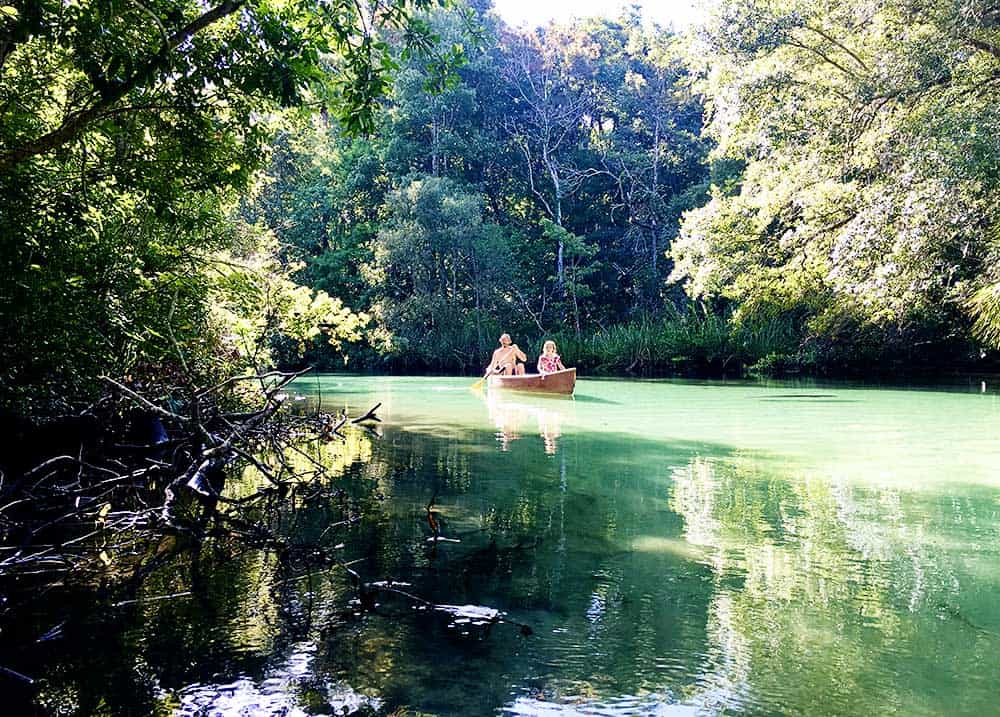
(984, 305)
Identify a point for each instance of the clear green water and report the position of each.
(677, 548)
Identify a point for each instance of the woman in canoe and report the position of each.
(549, 361)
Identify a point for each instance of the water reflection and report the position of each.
(681, 581)
(514, 414)
(657, 576)
(651, 705)
(287, 690)
(837, 585)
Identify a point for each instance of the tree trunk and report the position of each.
(560, 267)
(434, 147)
(656, 189)
(576, 309)
(654, 248)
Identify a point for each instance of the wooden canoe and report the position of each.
(561, 382)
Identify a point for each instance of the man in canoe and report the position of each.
(507, 360)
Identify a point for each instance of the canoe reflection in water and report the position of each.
(513, 418)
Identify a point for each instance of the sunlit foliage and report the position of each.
(868, 131)
(540, 190)
(128, 130)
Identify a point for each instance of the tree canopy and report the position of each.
(573, 150)
(128, 133)
(867, 135)
(389, 184)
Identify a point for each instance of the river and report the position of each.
(649, 547)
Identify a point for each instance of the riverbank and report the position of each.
(692, 343)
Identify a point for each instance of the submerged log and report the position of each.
(369, 416)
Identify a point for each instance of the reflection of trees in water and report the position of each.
(641, 568)
(335, 456)
(217, 610)
(548, 542)
(829, 596)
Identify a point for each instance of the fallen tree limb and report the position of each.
(369, 416)
(145, 402)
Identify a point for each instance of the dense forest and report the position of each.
(203, 201)
(790, 187)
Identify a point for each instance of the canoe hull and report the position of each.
(558, 382)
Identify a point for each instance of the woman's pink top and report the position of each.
(548, 364)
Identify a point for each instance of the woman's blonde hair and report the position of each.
(550, 341)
